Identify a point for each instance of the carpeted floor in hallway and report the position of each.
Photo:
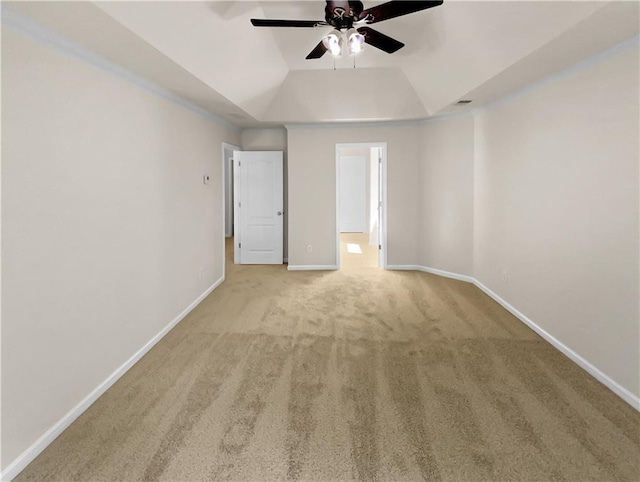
(355, 374)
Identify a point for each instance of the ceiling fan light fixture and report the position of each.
(343, 15)
(333, 43)
(355, 41)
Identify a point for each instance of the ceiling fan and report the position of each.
(350, 16)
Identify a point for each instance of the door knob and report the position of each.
(279, 213)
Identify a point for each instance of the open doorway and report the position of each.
(361, 205)
(227, 163)
(227, 201)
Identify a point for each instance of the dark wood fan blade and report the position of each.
(388, 10)
(380, 40)
(257, 22)
(317, 52)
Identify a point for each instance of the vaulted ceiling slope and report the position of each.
(209, 53)
(86, 25)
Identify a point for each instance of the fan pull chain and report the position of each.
(334, 63)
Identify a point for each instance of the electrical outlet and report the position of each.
(206, 179)
(309, 248)
(200, 271)
(505, 275)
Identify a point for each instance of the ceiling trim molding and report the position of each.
(338, 125)
(278, 128)
(593, 59)
(23, 25)
(437, 118)
(567, 71)
(399, 123)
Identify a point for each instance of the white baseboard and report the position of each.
(15, 467)
(26, 457)
(312, 267)
(439, 272)
(403, 267)
(611, 384)
(448, 274)
(607, 381)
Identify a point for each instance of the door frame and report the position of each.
(237, 212)
(382, 196)
(227, 168)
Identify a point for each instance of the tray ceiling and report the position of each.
(209, 53)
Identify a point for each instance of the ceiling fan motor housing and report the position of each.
(341, 17)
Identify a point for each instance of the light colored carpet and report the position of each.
(359, 374)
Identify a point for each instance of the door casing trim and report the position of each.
(382, 195)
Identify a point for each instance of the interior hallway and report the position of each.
(353, 374)
(356, 253)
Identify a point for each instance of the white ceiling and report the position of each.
(209, 53)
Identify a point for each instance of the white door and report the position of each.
(258, 207)
(353, 192)
(380, 254)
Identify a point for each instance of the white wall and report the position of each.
(361, 152)
(106, 222)
(556, 206)
(371, 154)
(106, 227)
(352, 196)
(373, 195)
(446, 195)
(312, 190)
(274, 139)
